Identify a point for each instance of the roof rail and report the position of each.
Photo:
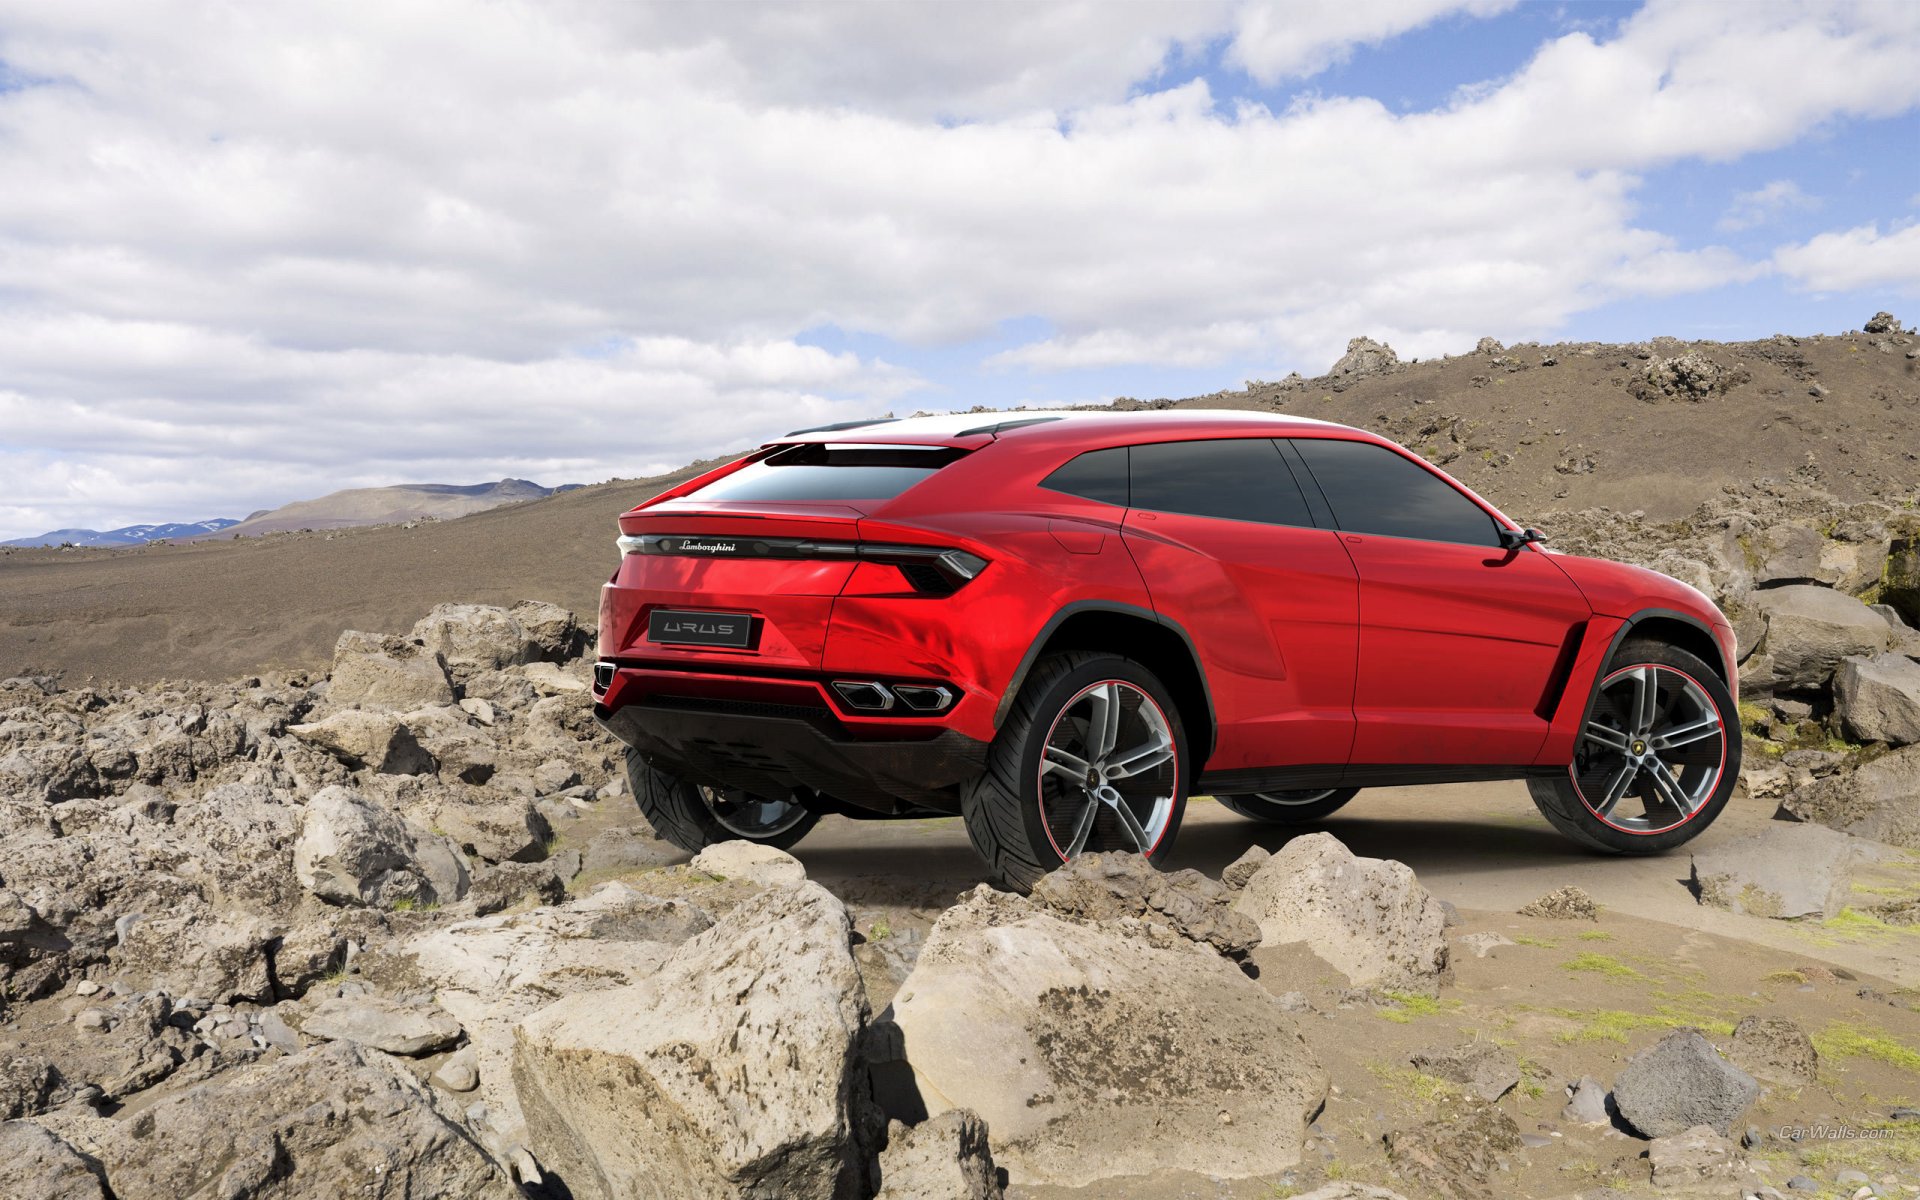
(839, 425)
(1002, 426)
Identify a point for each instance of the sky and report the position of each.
(251, 253)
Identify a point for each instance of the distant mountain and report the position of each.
(131, 535)
(389, 506)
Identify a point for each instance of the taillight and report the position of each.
(934, 570)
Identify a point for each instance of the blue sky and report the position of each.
(247, 257)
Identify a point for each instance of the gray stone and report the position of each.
(1456, 1155)
(942, 1158)
(382, 1024)
(750, 861)
(1878, 698)
(1786, 870)
(1774, 1049)
(1365, 357)
(457, 1074)
(354, 851)
(377, 741)
(386, 674)
(36, 1164)
(627, 848)
(1879, 800)
(1113, 886)
(472, 638)
(1586, 1102)
(1564, 904)
(1691, 1158)
(1095, 1050)
(1681, 1082)
(1811, 630)
(1486, 1069)
(1368, 917)
(1241, 869)
(730, 1072)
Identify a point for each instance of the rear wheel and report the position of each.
(1290, 807)
(693, 816)
(1091, 757)
(1655, 762)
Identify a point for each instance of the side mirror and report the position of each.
(1514, 539)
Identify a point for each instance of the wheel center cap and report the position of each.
(1639, 747)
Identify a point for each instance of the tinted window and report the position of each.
(1096, 475)
(1374, 490)
(816, 471)
(1242, 479)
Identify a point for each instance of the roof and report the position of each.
(973, 429)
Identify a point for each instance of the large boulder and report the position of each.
(731, 1072)
(375, 741)
(1811, 630)
(1368, 917)
(332, 1121)
(1102, 1050)
(493, 972)
(1880, 800)
(1785, 870)
(387, 674)
(461, 749)
(764, 866)
(382, 1024)
(1878, 698)
(472, 638)
(354, 851)
(1681, 1082)
(36, 1163)
(1365, 357)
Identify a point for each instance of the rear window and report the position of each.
(822, 471)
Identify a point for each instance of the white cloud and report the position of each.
(252, 251)
(1765, 205)
(1275, 41)
(1850, 259)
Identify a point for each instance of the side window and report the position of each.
(1096, 475)
(1239, 479)
(1374, 490)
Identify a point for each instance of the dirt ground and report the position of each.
(1572, 998)
(1530, 438)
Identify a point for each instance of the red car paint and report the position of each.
(1325, 655)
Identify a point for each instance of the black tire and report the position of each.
(1289, 808)
(1006, 809)
(1564, 799)
(681, 813)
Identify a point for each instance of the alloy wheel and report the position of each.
(1655, 735)
(746, 815)
(1109, 771)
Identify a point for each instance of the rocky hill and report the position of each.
(389, 506)
(1657, 428)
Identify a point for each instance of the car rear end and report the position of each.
(768, 629)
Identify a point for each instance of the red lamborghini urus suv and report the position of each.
(1061, 626)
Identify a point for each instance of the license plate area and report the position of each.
(687, 627)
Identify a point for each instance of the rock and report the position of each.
(752, 862)
(1691, 1158)
(1346, 1189)
(1811, 630)
(1586, 1102)
(1112, 886)
(554, 775)
(333, 1121)
(511, 883)
(942, 1158)
(1878, 698)
(480, 710)
(471, 638)
(457, 1074)
(550, 680)
(1365, 357)
(486, 823)
(1792, 553)
(28, 1085)
(1485, 943)
(352, 851)
(493, 972)
(370, 1020)
(1243, 868)
(1681, 1082)
(551, 628)
(376, 741)
(1882, 322)
(1690, 376)
(1099, 1050)
(1774, 1049)
(1489, 345)
(1786, 871)
(730, 1072)
(1487, 1070)
(627, 848)
(386, 674)
(1900, 579)
(460, 749)
(1876, 801)
(280, 1035)
(1455, 1155)
(1565, 904)
(36, 1164)
(1368, 917)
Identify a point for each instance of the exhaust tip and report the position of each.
(603, 676)
(923, 697)
(867, 695)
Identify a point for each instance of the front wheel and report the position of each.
(1092, 757)
(693, 816)
(1290, 807)
(1655, 762)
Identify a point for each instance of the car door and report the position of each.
(1227, 546)
(1460, 638)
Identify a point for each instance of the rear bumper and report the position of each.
(772, 748)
